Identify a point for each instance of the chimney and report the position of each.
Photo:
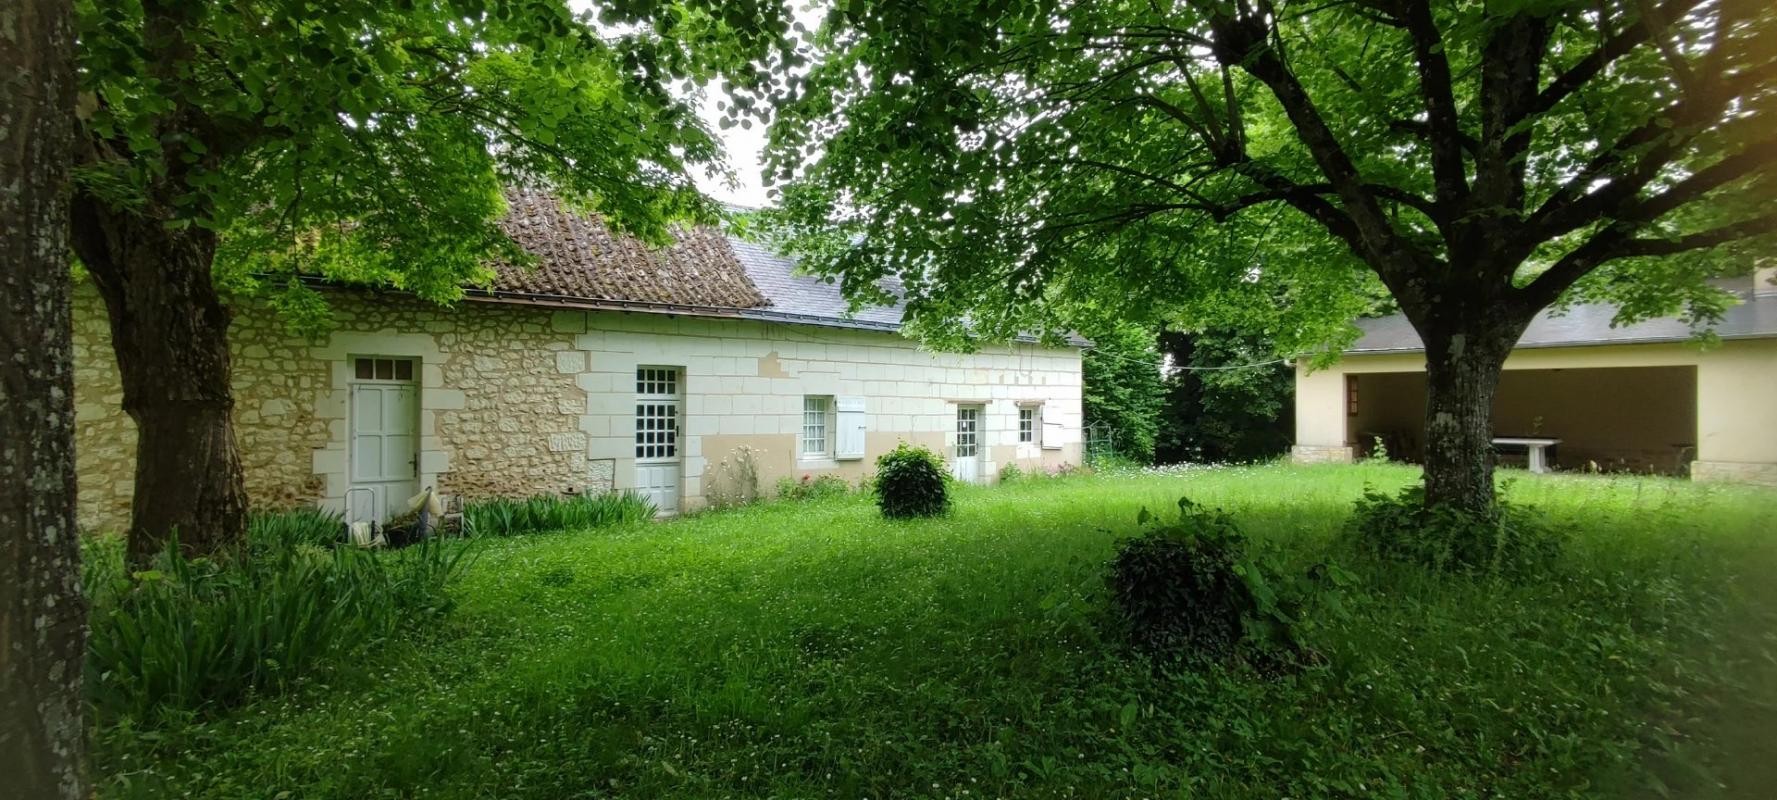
(1764, 280)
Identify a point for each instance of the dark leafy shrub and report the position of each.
(502, 516)
(1513, 539)
(810, 487)
(1191, 589)
(190, 634)
(911, 482)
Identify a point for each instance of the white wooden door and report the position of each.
(966, 465)
(384, 461)
(659, 459)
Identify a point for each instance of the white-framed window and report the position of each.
(657, 414)
(1030, 424)
(382, 369)
(657, 381)
(817, 426)
(968, 431)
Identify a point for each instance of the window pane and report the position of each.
(363, 369)
(385, 369)
(404, 370)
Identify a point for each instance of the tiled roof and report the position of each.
(581, 262)
(579, 258)
(1589, 324)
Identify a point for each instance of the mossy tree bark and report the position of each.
(42, 612)
(1462, 372)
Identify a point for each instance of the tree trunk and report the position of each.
(169, 329)
(1462, 367)
(42, 613)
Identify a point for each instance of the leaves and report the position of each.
(369, 142)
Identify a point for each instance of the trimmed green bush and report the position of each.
(502, 516)
(911, 482)
(811, 487)
(193, 634)
(1513, 539)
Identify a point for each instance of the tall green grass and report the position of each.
(502, 516)
(200, 634)
(807, 650)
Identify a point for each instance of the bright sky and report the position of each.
(744, 147)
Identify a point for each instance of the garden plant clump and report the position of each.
(911, 482)
(1512, 540)
(810, 487)
(543, 513)
(1194, 588)
(200, 634)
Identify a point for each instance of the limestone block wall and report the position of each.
(745, 381)
(276, 420)
(519, 399)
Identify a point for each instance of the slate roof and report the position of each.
(578, 258)
(1590, 324)
(795, 296)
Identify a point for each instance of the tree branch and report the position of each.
(1613, 48)
(1618, 241)
(1444, 129)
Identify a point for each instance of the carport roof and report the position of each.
(1590, 324)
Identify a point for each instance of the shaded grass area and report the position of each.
(815, 650)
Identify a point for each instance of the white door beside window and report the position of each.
(966, 463)
(659, 460)
(384, 460)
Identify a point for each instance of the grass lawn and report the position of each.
(815, 650)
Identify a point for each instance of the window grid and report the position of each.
(1027, 425)
(657, 381)
(657, 430)
(815, 414)
(382, 369)
(967, 426)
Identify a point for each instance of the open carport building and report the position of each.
(1643, 397)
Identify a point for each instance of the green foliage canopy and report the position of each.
(370, 141)
(1244, 162)
(1123, 388)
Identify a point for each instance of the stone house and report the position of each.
(605, 366)
(1640, 398)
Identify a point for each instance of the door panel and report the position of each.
(660, 484)
(384, 427)
(659, 463)
(967, 463)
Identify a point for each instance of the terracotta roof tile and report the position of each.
(579, 258)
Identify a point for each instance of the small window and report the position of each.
(657, 431)
(968, 431)
(816, 415)
(657, 381)
(1351, 395)
(1028, 424)
(383, 369)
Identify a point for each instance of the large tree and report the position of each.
(365, 140)
(42, 613)
(1481, 160)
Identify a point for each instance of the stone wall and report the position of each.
(275, 383)
(518, 399)
(1734, 472)
(1316, 454)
